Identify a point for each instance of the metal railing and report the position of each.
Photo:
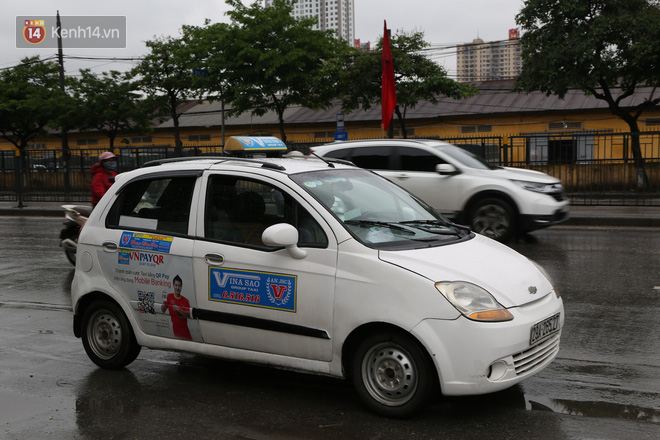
(595, 168)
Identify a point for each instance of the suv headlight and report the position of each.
(545, 188)
(473, 301)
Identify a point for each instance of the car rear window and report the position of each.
(158, 204)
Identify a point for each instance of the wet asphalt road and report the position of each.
(605, 383)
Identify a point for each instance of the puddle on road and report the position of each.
(515, 398)
(592, 409)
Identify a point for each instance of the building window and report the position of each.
(476, 128)
(560, 149)
(199, 137)
(565, 125)
(142, 140)
(324, 134)
(87, 142)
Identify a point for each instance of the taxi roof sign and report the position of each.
(254, 143)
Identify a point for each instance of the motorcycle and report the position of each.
(76, 216)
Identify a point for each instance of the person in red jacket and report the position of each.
(102, 171)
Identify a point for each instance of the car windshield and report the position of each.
(377, 212)
(465, 157)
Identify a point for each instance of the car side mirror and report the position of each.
(283, 234)
(446, 169)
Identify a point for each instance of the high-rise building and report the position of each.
(335, 15)
(479, 61)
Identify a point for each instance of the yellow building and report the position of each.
(495, 114)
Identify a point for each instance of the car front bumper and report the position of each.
(478, 357)
(530, 223)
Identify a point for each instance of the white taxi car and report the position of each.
(309, 265)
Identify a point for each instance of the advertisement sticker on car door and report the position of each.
(257, 289)
(158, 286)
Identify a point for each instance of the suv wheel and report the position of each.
(493, 218)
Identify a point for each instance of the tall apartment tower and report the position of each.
(479, 61)
(333, 15)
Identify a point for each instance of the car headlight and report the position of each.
(547, 275)
(545, 188)
(473, 301)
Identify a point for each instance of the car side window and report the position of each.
(374, 158)
(158, 204)
(342, 153)
(416, 159)
(239, 210)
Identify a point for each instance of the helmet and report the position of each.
(106, 156)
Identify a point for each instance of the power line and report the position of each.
(40, 60)
(78, 58)
(435, 50)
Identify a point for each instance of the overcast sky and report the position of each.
(444, 23)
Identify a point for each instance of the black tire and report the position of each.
(107, 336)
(493, 218)
(392, 374)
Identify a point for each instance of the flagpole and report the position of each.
(388, 92)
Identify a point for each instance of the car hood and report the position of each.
(507, 275)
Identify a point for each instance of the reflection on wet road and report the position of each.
(610, 355)
(593, 409)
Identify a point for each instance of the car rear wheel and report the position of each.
(493, 218)
(107, 336)
(392, 374)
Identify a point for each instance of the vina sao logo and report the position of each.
(280, 290)
(256, 289)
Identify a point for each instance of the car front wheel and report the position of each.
(107, 336)
(493, 218)
(392, 374)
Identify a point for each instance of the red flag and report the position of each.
(388, 94)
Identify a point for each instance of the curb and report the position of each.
(31, 212)
(627, 221)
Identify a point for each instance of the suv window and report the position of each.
(342, 153)
(239, 210)
(157, 204)
(375, 158)
(416, 159)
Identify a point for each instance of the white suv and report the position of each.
(494, 201)
(308, 265)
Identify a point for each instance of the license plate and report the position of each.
(544, 329)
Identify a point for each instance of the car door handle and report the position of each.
(110, 246)
(214, 259)
(403, 176)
